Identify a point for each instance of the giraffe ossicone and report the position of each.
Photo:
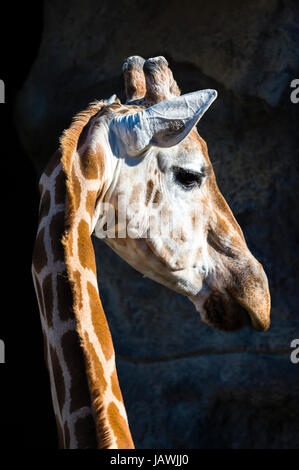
(145, 163)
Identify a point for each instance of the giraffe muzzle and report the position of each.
(240, 304)
(254, 296)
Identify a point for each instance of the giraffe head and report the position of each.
(171, 222)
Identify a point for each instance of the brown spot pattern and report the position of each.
(57, 228)
(90, 202)
(99, 321)
(74, 358)
(48, 299)
(85, 433)
(149, 190)
(39, 258)
(44, 205)
(115, 386)
(118, 424)
(60, 190)
(64, 297)
(97, 367)
(89, 163)
(85, 248)
(157, 198)
(58, 377)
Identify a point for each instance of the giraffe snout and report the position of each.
(255, 297)
(250, 289)
(243, 301)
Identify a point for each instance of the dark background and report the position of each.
(26, 417)
(185, 385)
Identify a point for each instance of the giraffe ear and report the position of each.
(163, 125)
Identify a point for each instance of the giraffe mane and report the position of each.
(70, 136)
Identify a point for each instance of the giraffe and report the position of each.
(146, 160)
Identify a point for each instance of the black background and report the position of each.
(24, 381)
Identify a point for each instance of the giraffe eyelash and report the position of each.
(186, 178)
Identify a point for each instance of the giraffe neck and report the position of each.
(86, 397)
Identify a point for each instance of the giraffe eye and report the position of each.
(186, 178)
